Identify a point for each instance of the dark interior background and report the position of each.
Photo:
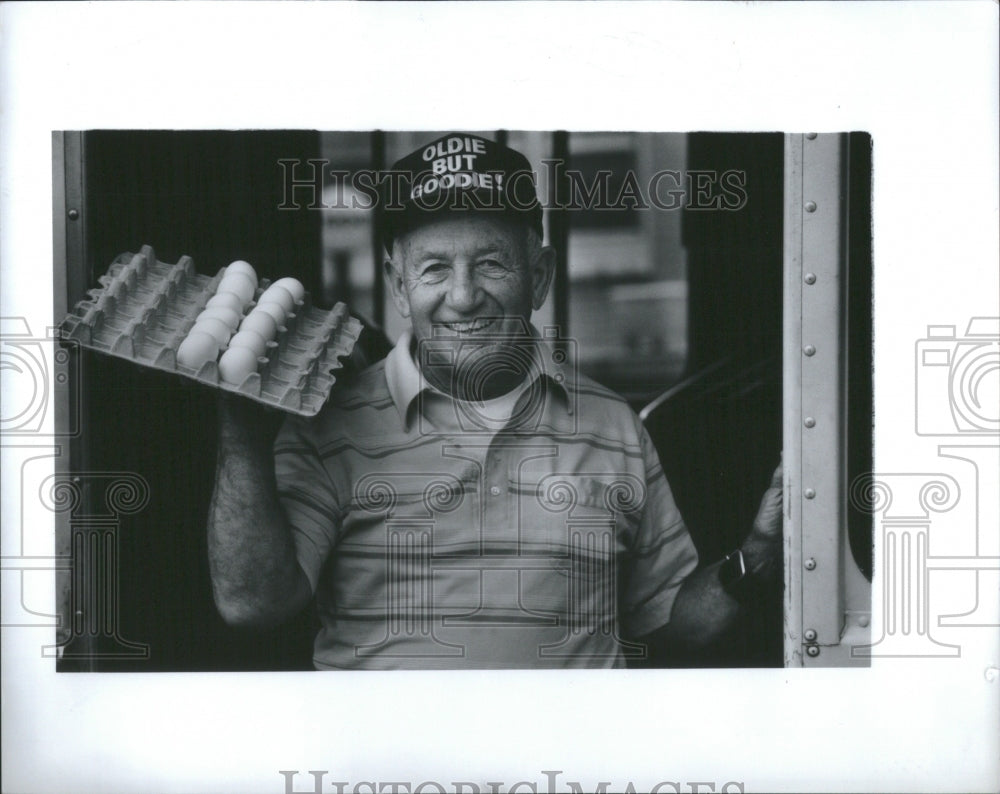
(719, 434)
(213, 196)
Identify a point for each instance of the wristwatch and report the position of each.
(735, 578)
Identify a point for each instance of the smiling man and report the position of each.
(475, 281)
(471, 501)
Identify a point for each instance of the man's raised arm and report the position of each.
(256, 579)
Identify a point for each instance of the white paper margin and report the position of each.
(920, 77)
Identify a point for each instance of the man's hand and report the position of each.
(249, 420)
(762, 549)
(704, 613)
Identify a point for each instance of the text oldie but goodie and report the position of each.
(453, 163)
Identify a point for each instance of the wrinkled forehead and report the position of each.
(457, 237)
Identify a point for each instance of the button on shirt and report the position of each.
(537, 530)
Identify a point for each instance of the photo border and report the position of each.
(930, 103)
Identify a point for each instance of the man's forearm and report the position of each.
(255, 576)
(702, 615)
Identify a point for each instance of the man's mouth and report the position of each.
(473, 326)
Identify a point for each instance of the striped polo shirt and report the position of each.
(438, 533)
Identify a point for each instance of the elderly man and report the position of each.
(470, 501)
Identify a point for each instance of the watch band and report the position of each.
(735, 578)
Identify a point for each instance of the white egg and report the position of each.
(250, 340)
(225, 300)
(236, 363)
(261, 322)
(214, 327)
(228, 316)
(294, 287)
(197, 348)
(239, 266)
(240, 285)
(279, 295)
(273, 308)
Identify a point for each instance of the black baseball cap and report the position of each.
(457, 173)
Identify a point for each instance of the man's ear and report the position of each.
(394, 279)
(542, 270)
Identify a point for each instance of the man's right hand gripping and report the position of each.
(256, 579)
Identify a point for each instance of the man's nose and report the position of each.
(464, 292)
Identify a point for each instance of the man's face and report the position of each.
(473, 278)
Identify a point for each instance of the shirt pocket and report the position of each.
(585, 521)
(440, 507)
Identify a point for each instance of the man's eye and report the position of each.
(435, 271)
(492, 267)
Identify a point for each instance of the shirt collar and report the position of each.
(402, 375)
(405, 381)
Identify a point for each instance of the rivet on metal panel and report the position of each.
(810, 635)
(809, 493)
(811, 136)
(863, 621)
(809, 422)
(810, 564)
(810, 278)
(812, 650)
(810, 206)
(73, 214)
(809, 350)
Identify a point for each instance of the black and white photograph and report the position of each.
(604, 342)
(439, 397)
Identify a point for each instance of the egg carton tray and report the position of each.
(145, 308)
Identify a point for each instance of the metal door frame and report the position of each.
(827, 599)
